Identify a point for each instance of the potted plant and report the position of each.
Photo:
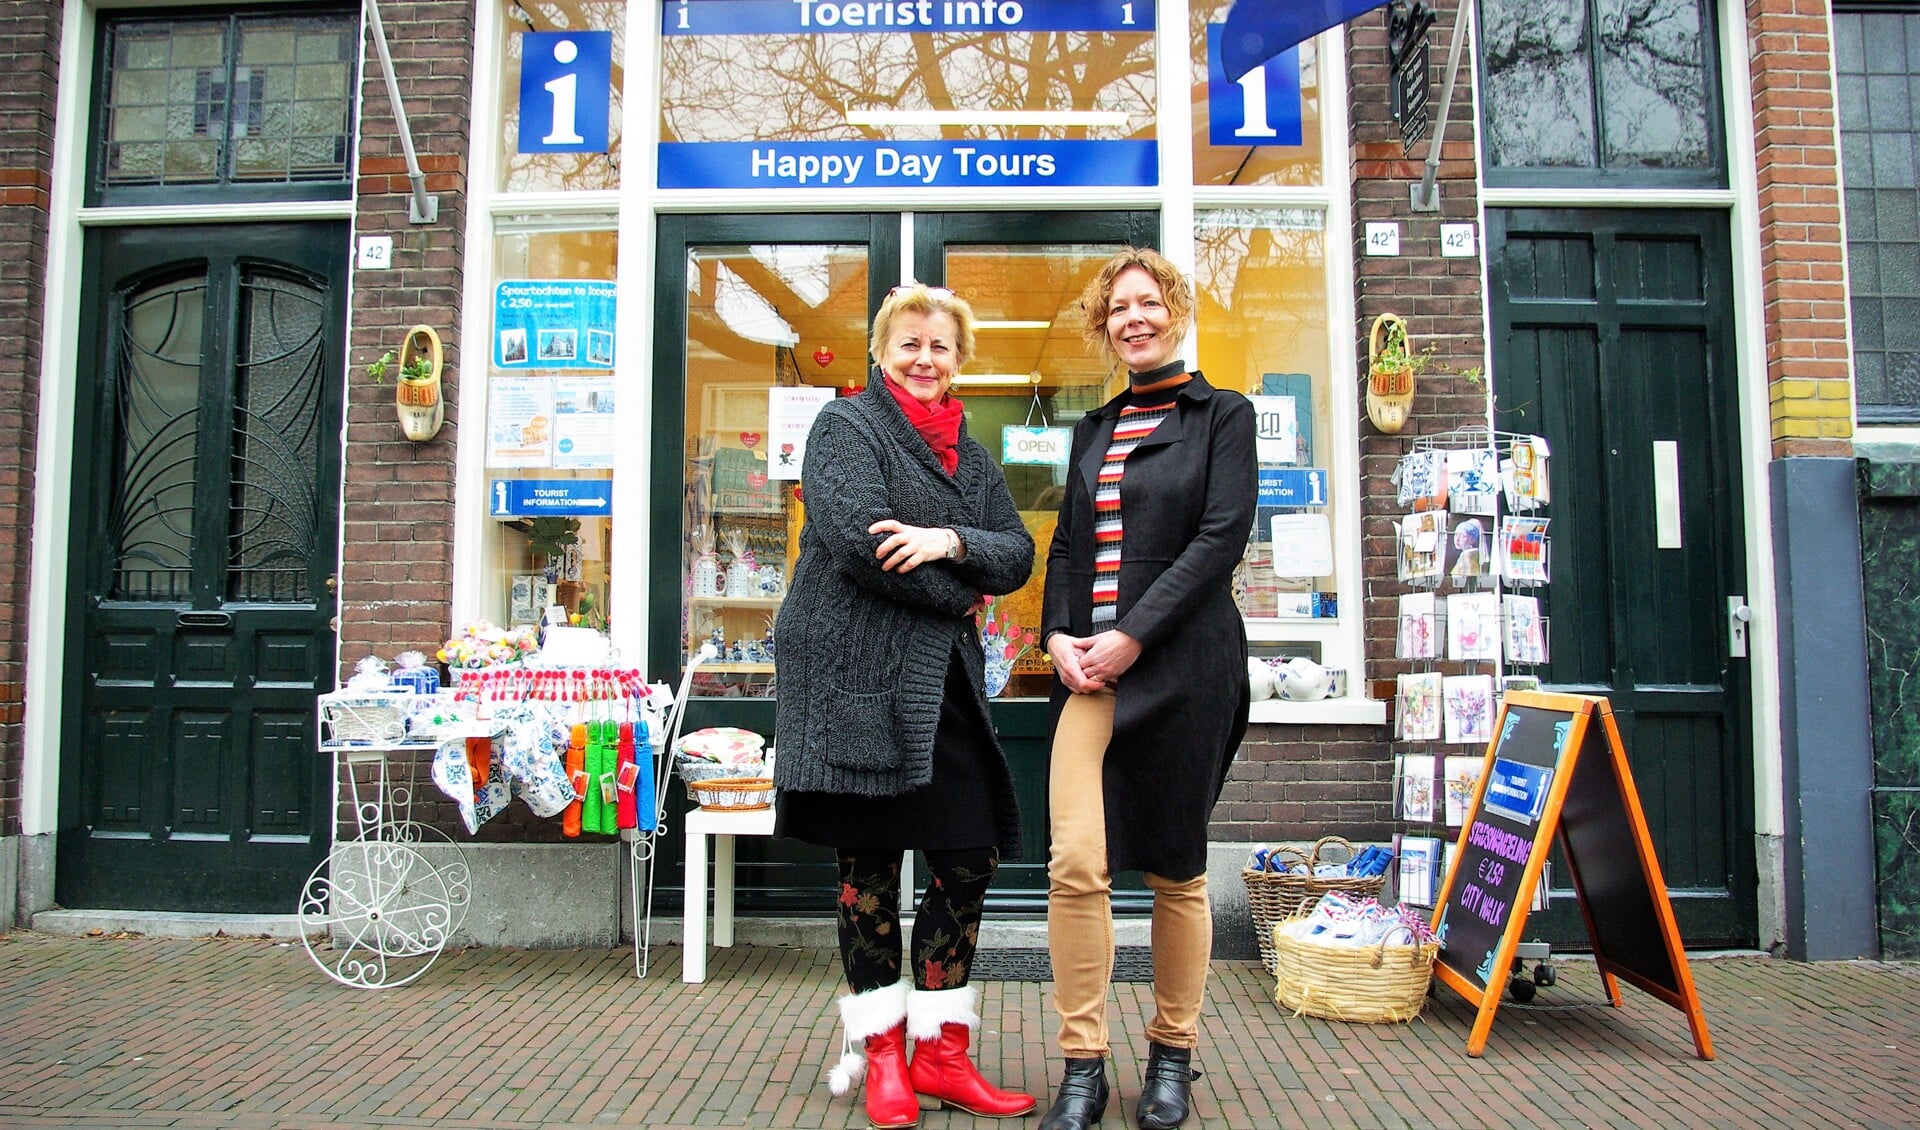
(1392, 363)
(551, 536)
(417, 391)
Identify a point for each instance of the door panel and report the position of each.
(201, 606)
(1023, 274)
(1611, 334)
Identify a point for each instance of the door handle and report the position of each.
(1738, 615)
(204, 619)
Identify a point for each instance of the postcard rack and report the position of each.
(1474, 566)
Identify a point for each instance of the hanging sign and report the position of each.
(1409, 59)
(1034, 446)
(1557, 767)
(553, 324)
(566, 87)
(812, 17)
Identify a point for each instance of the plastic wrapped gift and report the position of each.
(725, 745)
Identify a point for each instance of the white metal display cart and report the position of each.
(377, 911)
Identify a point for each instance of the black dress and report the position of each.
(954, 810)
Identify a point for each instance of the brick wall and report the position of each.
(1299, 783)
(398, 505)
(30, 48)
(1802, 258)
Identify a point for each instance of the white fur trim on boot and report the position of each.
(862, 1015)
(929, 1009)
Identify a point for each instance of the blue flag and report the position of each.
(1257, 30)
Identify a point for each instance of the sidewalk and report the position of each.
(248, 1033)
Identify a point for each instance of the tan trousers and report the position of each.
(1079, 902)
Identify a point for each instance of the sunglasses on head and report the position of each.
(936, 291)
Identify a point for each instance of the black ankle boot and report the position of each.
(1163, 1097)
(1082, 1098)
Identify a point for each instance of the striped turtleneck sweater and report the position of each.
(1152, 401)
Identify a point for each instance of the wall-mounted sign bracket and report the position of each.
(421, 208)
(1425, 196)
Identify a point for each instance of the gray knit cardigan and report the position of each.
(863, 653)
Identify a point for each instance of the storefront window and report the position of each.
(552, 379)
(905, 87)
(551, 171)
(1257, 107)
(1261, 280)
(773, 331)
(1031, 378)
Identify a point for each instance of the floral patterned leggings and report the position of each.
(945, 928)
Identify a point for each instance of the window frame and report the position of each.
(223, 190)
(1599, 176)
(1877, 413)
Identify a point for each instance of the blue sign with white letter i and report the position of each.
(566, 87)
(1262, 108)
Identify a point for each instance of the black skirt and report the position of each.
(955, 809)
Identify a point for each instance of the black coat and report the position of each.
(1187, 502)
(863, 653)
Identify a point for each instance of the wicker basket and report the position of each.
(694, 770)
(1377, 984)
(366, 717)
(1275, 894)
(733, 794)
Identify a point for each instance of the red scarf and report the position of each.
(938, 424)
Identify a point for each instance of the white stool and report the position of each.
(723, 826)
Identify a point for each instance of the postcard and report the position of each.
(1460, 775)
(1416, 788)
(1526, 631)
(1473, 480)
(1423, 546)
(1473, 627)
(1468, 704)
(1522, 549)
(1419, 627)
(1417, 707)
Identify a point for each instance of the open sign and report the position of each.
(1022, 444)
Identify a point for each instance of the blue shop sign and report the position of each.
(553, 324)
(566, 88)
(908, 164)
(813, 17)
(531, 498)
(1293, 486)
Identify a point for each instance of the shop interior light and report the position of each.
(987, 118)
(997, 379)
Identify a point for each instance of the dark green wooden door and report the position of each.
(1612, 336)
(206, 497)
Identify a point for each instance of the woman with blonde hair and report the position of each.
(884, 740)
(1150, 659)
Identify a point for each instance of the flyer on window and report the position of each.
(519, 421)
(583, 422)
(790, 413)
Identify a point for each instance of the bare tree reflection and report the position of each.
(800, 88)
(1539, 83)
(1655, 112)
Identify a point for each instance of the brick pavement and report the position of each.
(247, 1033)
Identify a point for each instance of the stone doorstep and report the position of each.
(797, 933)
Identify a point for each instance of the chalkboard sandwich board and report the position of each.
(1556, 767)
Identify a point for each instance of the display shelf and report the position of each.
(377, 912)
(741, 668)
(735, 601)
